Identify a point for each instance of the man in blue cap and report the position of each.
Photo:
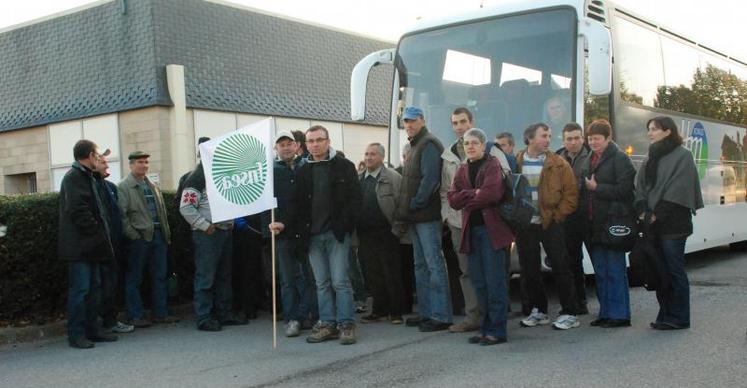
(420, 206)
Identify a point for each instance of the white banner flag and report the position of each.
(238, 171)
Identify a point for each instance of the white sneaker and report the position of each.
(120, 327)
(565, 322)
(535, 318)
(292, 329)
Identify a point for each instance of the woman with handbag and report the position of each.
(667, 195)
(607, 201)
(476, 190)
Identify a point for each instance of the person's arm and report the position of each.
(188, 209)
(458, 195)
(569, 199)
(623, 186)
(355, 194)
(492, 188)
(76, 204)
(124, 203)
(430, 169)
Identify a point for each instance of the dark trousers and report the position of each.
(553, 240)
(674, 302)
(408, 277)
(379, 251)
(248, 285)
(83, 295)
(109, 287)
(574, 240)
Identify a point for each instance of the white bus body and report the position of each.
(507, 63)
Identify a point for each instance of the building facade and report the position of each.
(155, 75)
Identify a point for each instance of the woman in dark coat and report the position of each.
(667, 195)
(476, 190)
(608, 191)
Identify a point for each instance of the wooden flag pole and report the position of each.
(274, 289)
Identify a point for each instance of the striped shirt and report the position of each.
(150, 201)
(532, 168)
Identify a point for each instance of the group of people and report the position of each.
(99, 222)
(328, 209)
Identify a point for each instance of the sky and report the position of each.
(716, 23)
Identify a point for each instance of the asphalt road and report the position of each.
(713, 353)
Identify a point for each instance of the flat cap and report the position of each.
(138, 155)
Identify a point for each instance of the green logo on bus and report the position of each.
(697, 143)
(240, 168)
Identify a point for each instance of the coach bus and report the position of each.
(557, 61)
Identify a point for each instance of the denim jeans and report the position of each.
(213, 259)
(488, 269)
(329, 261)
(292, 283)
(431, 279)
(153, 254)
(674, 303)
(612, 283)
(83, 294)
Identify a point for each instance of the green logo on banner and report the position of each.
(240, 168)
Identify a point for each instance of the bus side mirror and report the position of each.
(599, 52)
(359, 78)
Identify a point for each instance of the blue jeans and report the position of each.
(329, 261)
(292, 283)
(612, 283)
(674, 303)
(153, 254)
(83, 293)
(487, 268)
(213, 260)
(431, 279)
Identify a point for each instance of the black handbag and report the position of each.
(619, 229)
(646, 263)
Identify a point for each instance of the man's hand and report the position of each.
(276, 227)
(210, 230)
(591, 184)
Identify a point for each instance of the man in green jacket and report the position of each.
(146, 230)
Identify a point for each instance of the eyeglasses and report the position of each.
(314, 141)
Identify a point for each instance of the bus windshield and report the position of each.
(509, 71)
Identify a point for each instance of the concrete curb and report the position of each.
(33, 333)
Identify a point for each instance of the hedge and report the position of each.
(33, 281)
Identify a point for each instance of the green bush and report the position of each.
(33, 281)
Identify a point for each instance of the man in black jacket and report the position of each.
(329, 197)
(575, 151)
(84, 242)
(110, 273)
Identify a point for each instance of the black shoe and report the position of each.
(234, 319)
(209, 325)
(666, 326)
(80, 343)
(616, 323)
(475, 339)
(433, 325)
(373, 317)
(486, 341)
(102, 337)
(415, 321)
(598, 322)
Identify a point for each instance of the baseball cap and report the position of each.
(282, 134)
(412, 113)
